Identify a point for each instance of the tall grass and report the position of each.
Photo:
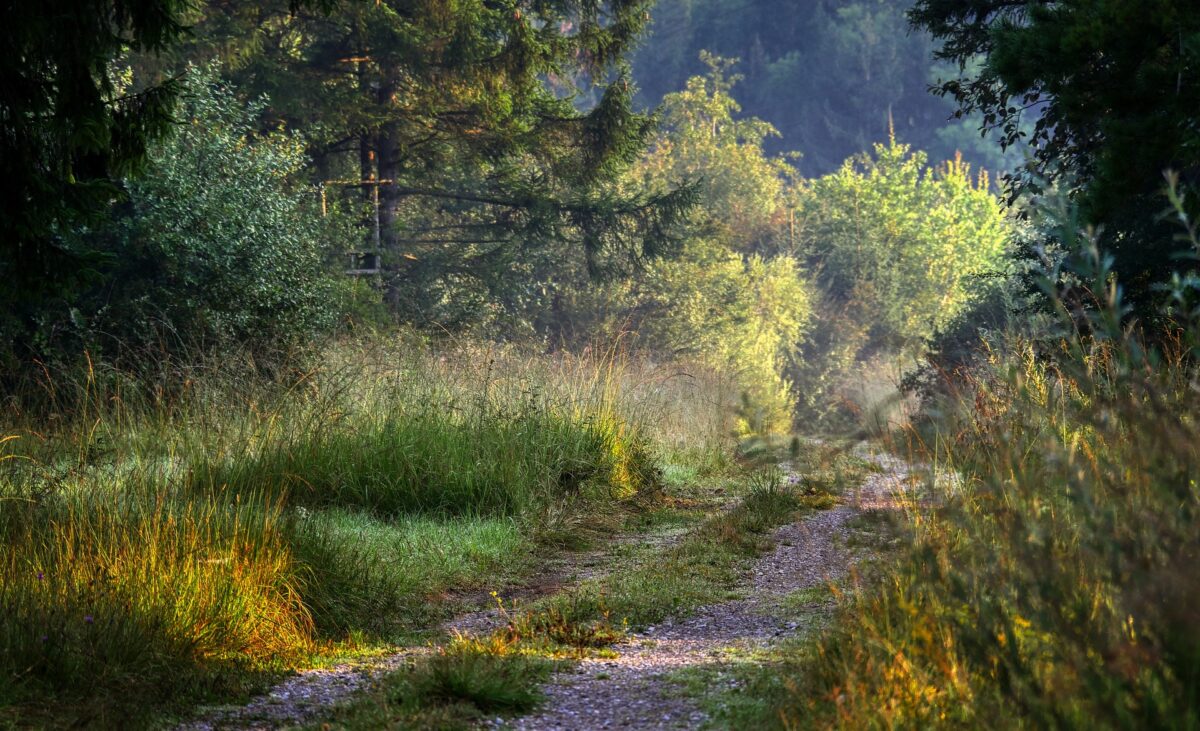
(1055, 585)
(166, 533)
(510, 433)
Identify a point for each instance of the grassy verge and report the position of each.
(1054, 584)
(189, 537)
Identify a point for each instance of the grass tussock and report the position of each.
(173, 535)
(93, 594)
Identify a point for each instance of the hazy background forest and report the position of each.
(318, 315)
(829, 76)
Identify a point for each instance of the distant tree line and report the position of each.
(830, 75)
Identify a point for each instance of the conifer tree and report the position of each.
(69, 131)
(488, 129)
(1113, 85)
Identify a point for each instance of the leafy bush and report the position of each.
(897, 247)
(219, 240)
(898, 241)
(730, 298)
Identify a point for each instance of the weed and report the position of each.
(1053, 584)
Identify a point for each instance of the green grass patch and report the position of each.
(366, 575)
(454, 689)
(801, 601)
(737, 692)
(406, 458)
(188, 535)
(138, 591)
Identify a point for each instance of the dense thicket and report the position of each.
(219, 241)
(793, 283)
(464, 120)
(67, 127)
(453, 125)
(71, 131)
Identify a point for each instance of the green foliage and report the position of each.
(728, 298)
(218, 242)
(898, 242)
(493, 130)
(898, 248)
(1114, 88)
(71, 129)
(67, 129)
(741, 186)
(741, 316)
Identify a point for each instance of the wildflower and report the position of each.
(89, 619)
(45, 638)
(41, 576)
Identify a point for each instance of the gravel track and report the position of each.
(631, 690)
(304, 696)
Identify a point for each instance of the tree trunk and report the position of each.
(387, 148)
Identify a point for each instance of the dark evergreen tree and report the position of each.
(68, 132)
(1114, 85)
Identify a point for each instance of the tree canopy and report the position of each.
(489, 129)
(67, 128)
(475, 134)
(70, 131)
